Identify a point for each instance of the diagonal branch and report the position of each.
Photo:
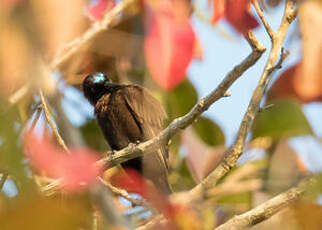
(133, 150)
(50, 122)
(260, 14)
(254, 106)
(265, 210)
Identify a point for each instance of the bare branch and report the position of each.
(50, 122)
(265, 210)
(237, 149)
(126, 195)
(259, 12)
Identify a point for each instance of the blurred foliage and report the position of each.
(180, 100)
(209, 131)
(39, 213)
(283, 120)
(11, 157)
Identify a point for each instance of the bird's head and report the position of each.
(95, 86)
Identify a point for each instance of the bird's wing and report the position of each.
(147, 109)
(150, 114)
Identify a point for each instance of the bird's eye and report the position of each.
(98, 77)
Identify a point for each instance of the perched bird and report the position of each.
(130, 114)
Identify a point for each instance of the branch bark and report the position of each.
(254, 106)
(265, 210)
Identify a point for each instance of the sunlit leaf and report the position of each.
(181, 99)
(77, 169)
(283, 171)
(169, 44)
(236, 12)
(209, 131)
(284, 119)
(303, 87)
(201, 157)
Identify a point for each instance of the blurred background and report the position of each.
(283, 147)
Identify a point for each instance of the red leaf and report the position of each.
(169, 45)
(76, 169)
(131, 181)
(238, 15)
(294, 83)
(97, 9)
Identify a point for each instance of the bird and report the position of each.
(128, 113)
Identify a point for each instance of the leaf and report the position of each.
(283, 171)
(97, 9)
(180, 100)
(283, 120)
(209, 132)
(201, 158)
(168, 45)
(130, 180)
(303, 88)
(77, 169)
(236, 12)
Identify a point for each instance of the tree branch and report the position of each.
(134, 150)
(126, 195)
(50, 122)
(259, 12)
(265, 210)
(236, 150)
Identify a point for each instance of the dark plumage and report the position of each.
(129, 114)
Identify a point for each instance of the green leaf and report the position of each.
(285, 119)
(179, 101)
(209, 132)
(11, 156)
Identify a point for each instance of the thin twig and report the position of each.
(136, 150)
(259, 12)
(237, 149)
(126, 195)
(50, 122)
